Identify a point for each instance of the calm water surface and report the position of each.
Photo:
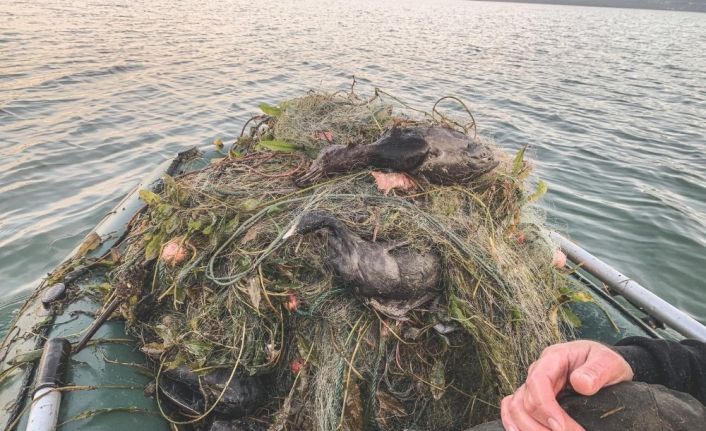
(612, 102)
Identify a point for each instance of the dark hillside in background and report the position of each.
(680, 5)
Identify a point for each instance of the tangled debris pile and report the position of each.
(363, 290)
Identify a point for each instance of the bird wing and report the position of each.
(399, 150)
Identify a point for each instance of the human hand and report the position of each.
(587, 365)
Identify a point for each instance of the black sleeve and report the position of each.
(680, 366)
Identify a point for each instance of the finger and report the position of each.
(520, 417)
(540, 402)
(505, 408)
(532, 367)
(553, 365)
(603, 367)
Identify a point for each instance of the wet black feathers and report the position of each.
(398, 150)
(436, 154)
(375, 269)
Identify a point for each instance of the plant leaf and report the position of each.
(519, 161)
(516, 313)
(274, 209)
(173, 223)
(249, 205)
(194, 225)
(153, 350)
(306, 349)
(571, 318)
(199, 349)
(232, 224)
(150, 198)
(166, 335)
(278, 146)
(272, 111)
(90, 243)
(153, 246)
(541, 190)
(580, 297)
(437, 379)
(254, 292)
(251, 234)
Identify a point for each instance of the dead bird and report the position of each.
(187, 390)
(391, 274)
(437, 154)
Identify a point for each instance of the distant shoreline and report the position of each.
(668, 5)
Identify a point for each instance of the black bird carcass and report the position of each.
(436, 154)
(393, 276)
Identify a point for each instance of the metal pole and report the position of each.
(633, 291)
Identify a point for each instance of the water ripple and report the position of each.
(611, 102)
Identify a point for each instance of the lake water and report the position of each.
(612, 103)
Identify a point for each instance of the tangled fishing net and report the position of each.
(243, 322)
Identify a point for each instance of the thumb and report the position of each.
(602, 368)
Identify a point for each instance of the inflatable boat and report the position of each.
(109, 383)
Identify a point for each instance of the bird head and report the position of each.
(481, 158)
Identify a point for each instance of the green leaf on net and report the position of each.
(304, 347)
(170, 183)
(166, 334)
(458, 311)
(150, 198)
(199, 349)
(519, 162)
(179, 293)
(194, 225)
(173, 223)
(232, 224)
(272, 111)
(249, 205)
(541, 190)
(277, 145)
(180, 359)
(571, 318)
(274, 209)
(153, 246)
(580, 297)
(164, 209)
(516, 313)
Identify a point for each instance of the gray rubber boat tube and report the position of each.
(633, 291)
(46, 399)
